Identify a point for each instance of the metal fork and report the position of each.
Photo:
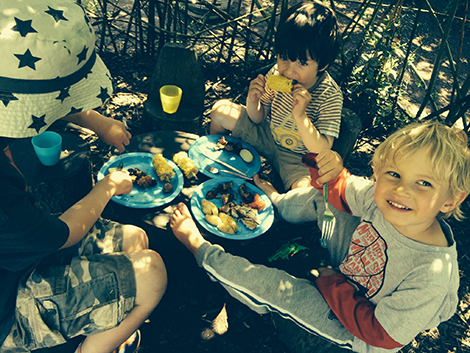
(329, 220)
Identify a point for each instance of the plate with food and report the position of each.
(157, 180)
(232, 208)
(229, 150)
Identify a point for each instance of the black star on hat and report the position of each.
(24, 27)
(27, 59)
(82, 56)
(6, 97)
(64, 93)
(56, 14)
(103, 94)
(74, 110)
(38, 123)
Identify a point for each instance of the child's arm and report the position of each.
(81, 216)
(313, 140)
(255, 110)
(355, 312)
(111, 131)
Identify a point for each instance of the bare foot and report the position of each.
(267, 188)
(185, 228)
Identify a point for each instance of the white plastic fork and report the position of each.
(329, 220)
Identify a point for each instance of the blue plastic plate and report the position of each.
(140, 197)
(266, 216)
(205, 145)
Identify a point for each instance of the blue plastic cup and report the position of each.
(48, 147)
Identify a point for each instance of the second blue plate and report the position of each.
(205, 144)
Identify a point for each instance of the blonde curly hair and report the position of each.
(448, 152)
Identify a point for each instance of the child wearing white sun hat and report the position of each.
(76, 274)
(50, 70)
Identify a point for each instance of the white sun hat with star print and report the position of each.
(48, 65)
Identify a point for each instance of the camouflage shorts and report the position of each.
(82, 290)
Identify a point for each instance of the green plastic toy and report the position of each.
(286, 251)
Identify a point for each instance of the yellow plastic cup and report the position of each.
(170, 96)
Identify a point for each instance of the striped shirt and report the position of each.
(324, 111)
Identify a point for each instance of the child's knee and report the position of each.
(150, 273)
(134, 238)
(224, 115)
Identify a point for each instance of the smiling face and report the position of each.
(409, 196)
(305, 72)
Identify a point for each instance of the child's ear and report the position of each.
(453, 203)
(323, 69)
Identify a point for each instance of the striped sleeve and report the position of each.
(325, 110)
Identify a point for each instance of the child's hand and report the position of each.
(326, 271)
(301, 97)
(329, 164)
(256, 89)
(121, 182)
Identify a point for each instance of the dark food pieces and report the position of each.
(167, 188)
(141, 178)
(236, 148)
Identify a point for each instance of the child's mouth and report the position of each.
(397, 205)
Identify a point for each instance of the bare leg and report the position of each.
(224, 116)
(268, 188)
(185, 228)
(302, 183)
(151, 280)
(134, 238)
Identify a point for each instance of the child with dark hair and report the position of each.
(284, 125)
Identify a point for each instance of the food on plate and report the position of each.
(244, 213)
(222, 221)
(280, 83)
(162, 168)
(230, 212)
(257, 203)
(223, 144)
(225, 228)
(246, 155)
(141, 178)
(212, 194)
(228, 221)
(247, 196)
(249, 223)
(213, 219)
(167, 188)
(220, 145)
(185, 164)
(208, 208)
(223, 189)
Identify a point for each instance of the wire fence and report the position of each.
(385, 46)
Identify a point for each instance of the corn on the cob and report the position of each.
(162, 168)
(185, 164)
(280, 83)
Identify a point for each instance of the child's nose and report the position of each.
(402, 189)
(287, 69)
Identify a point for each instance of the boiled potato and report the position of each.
(208, 208)
(213, 219)
(225, 228)
(228, 220)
